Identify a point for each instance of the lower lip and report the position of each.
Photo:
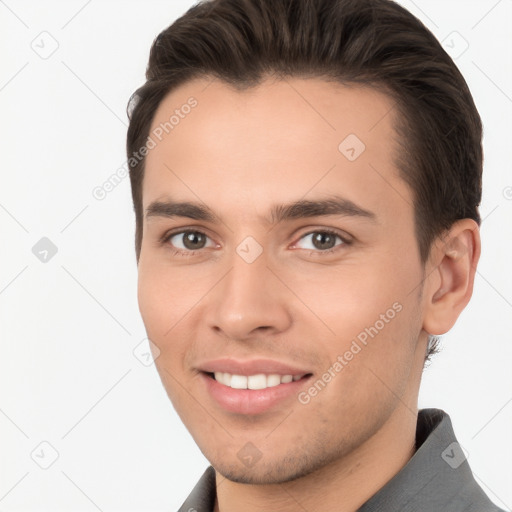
(250, 401)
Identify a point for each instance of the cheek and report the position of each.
(368, 369)
(165, 294)
(168, 299)
(152, 301)
(369, 314)
(354, 296)
(161, 306)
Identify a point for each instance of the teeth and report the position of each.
(256, 381)
(259, 381)
(273, 380)
(238, 382)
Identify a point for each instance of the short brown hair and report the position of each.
(374, 43)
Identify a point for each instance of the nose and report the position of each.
(249, 300)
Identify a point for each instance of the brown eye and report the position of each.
(188, 241)
(322, 240)
(194, 240)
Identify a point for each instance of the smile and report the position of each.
(258, 381)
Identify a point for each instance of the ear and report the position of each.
(450, 274)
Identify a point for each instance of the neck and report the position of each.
(342, 486)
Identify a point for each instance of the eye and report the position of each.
(188, 241)
(323, 241)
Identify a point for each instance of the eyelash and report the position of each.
(180, 252)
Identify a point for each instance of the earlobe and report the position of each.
(451, 274)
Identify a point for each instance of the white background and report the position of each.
(68, 327)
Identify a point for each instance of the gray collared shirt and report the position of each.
(437, 478)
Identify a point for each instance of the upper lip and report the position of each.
(251, 367)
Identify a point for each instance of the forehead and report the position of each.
(278, 141)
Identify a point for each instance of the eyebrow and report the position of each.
(333, 205)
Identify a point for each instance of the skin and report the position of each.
(239, 153)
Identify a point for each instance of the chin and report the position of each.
(285, 469)
(262, 476)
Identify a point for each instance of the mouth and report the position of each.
(252, 394)
(254, 382)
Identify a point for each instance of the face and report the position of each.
(294, 255)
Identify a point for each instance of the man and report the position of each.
(306, 179)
